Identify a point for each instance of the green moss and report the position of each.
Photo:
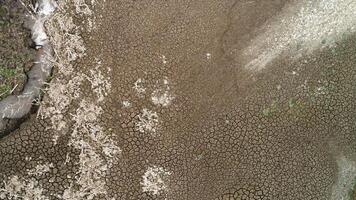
(4, 90)
(6, 73)
(291, 103)
(15, 55)
(296, 107)
(268, 111)
(352, 192)
(7, 77)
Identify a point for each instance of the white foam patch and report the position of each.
(43, 9)
(100, 84)
(138, 86)
(19, 188)
(126, 104)
(147, 121)
(302, 28)
(162, 95)
(164, 59)
(153, 181)
(40, 169)
(27, 187)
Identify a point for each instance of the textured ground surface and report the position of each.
(15, 54)
(158, 100)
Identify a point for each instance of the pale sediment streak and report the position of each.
(17, 106)
(26, 186)
(97, 150)
(68, 47)
(302, 28)
(346, 179)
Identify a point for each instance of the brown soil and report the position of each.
(229, 133)
(15, 54)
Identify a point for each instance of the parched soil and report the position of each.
(16, 56)
(156, 102)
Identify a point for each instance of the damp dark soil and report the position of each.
(353, 192)
(16, 56)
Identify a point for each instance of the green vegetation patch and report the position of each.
(16, 56)
(352, 192)
(270, 109)
(7, 78)
(6, 73)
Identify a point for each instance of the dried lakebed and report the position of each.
(192, 100)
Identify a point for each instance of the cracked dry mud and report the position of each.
(153, 100)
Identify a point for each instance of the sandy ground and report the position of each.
(158, 100)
